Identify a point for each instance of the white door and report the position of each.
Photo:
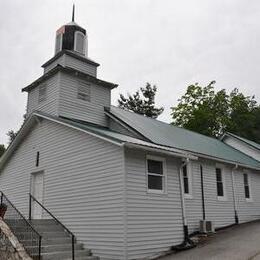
(37, 192)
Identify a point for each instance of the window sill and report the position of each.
(220, 198)
(188, 196)
(156, 192)
(249, 200)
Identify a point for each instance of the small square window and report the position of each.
(42, 93)
(84, 91)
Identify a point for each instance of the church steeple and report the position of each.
(73, 12)
(71, 37)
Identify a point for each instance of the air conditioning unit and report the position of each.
(206, 226)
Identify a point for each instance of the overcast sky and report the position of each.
(168, 43)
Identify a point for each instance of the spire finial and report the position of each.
(73, 12)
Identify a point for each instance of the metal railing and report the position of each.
(22, 228)
(31, 199)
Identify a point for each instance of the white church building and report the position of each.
(127, 186)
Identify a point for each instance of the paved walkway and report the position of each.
(237, 243)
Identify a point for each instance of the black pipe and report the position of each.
(186, 232)
(202, 193)
(236, 217)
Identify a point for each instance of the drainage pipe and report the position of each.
(202, 193)
(187, 243)
(234, 193)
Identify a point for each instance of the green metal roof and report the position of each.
(168, 135)
(249, 142)
(107, 133)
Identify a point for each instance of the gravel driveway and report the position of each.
(240, 242)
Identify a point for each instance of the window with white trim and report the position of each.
(42, 95)
(246, 186)
(84, 90)
(58, 43)
(80, 42)
(220, 183)
(155, 174)
(187, 185)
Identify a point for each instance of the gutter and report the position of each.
(228, 162)
(161, 150)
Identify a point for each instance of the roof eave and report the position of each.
(72, 71)
(59, 54)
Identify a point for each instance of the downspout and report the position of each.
(202, 193)
(187, 243)
(234, 194)
(184, 218)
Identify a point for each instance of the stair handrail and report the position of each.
(31, 197)
(3, 196)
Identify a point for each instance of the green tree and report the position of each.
(2, 149)
(11, 134)
(142, 102)
(210, 112)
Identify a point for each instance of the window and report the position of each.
(37, 159)
(187, 186)
(155, 174)
(246, 186)
(58, 43)
(42, 93)
(84, 90)
(220, 185)
(79, 42)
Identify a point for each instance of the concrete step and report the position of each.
(84, 258)
(45, 234)
(58, 247)
(39, 228)
(42, 221)
(56, 242)
(61, 255)
(47, 242)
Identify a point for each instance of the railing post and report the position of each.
(73, 251)
(30, 207)
(40, 247)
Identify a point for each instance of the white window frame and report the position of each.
(164, 175)
(189, 175)
(75, 42)
(41, 99)
(250, 199)
(61, 39)
(223, 176)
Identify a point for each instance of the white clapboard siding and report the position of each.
(83, 184)
(248, 210)
(193, 204)
(60, 61)
(243, 147)
(154, 221)
(50, 105)
(220, 212)
(80, 65)
(72, 62)
(90, 111)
